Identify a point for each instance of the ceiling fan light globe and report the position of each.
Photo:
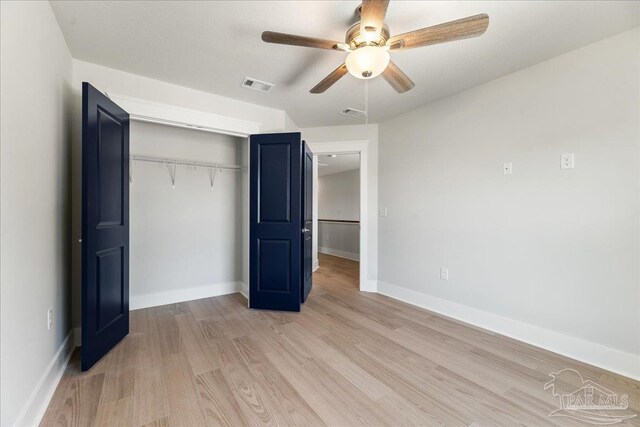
(367, 62)
(371, 35)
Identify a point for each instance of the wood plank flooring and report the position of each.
(349, 358)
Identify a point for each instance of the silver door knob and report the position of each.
(305, 230)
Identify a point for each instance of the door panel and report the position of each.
(275, 180)
(109, 290)
(275, 221)
(110, 170)
(105, 225)
(272, 252)
(307, 218)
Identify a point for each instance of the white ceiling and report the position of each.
(337, 164)
(212, 46)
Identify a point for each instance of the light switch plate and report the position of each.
(444, 273)
(567, 161)
(383, 211)
(507, 168)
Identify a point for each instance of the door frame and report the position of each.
(347, 147)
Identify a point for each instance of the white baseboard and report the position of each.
(370, 286)
(342, 254)
(243, 289)
(613, 360)
(316, 264)
(181, 295)
(37, 404)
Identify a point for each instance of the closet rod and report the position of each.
(182, 162)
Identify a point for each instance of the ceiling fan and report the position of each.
(368, 42)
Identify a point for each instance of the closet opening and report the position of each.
(187, 211)
(165, 201)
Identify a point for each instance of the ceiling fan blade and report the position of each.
(294, 40)
(397, 79)
(328, 81)
(464, 28)
(372, 15)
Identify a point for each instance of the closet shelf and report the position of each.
(183, 162)
(171, 165)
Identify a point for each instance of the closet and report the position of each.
(166, 200)
(186, 209)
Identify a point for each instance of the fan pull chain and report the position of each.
(366, 102)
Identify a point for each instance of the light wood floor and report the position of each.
(349, 358)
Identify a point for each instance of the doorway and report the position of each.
(338, 232)
(359, 148)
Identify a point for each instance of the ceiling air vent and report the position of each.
(258, 85)
(352, 112)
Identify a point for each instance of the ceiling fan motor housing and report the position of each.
(355, 38)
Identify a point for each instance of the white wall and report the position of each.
(185, 241)
(339, 196)
(555, 249)
(339, 239)
(289, 124)
(351, 133)
(35, 79)
(131, 85)
(136, 86)
(339, 199)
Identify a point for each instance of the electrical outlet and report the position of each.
(567, 161)
(383, 212)
(507, 168)
(49, 318)
(444, 273)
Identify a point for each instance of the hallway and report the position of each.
(335, 272)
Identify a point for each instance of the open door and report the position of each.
(307, 219)
(275, 221)
(105, 225)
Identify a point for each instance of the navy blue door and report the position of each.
(275, 222)
(105, 225)
(307, 220)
